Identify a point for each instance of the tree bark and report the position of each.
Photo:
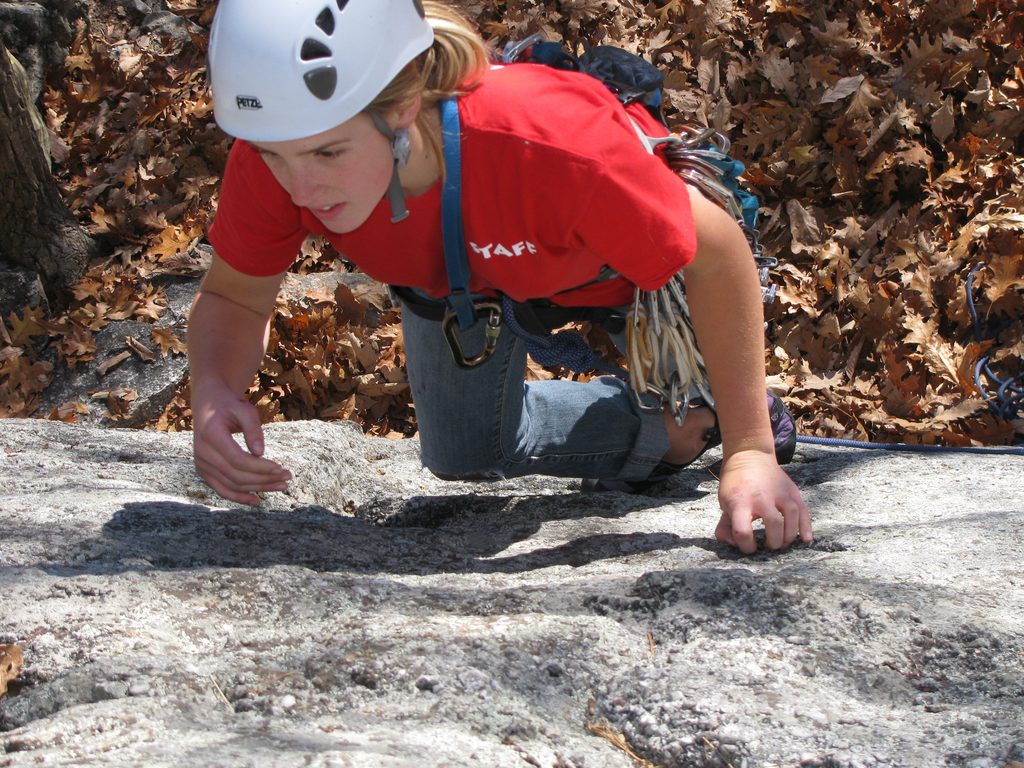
(36, 228)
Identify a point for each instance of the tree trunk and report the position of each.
(36, 228)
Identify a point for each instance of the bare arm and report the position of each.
(725, 304)
(227, 337)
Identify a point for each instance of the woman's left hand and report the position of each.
(752, 487)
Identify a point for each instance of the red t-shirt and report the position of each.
(555, 185)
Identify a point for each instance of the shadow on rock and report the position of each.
(457, 534)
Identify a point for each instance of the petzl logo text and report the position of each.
(248, 102)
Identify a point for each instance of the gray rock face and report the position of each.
(377, 616)
(19, 288)
(38, 34)
(152, 382)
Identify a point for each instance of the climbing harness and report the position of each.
(563, 348)
(665, 367)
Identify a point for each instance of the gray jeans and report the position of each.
(488, 422)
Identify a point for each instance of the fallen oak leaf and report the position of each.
(76, 344)
(24, 375)
(119, 401)
(168, 341)
(843, 89)
(11, 661)
(130, 62)
(117, 393)
(943, 121)
(173, 240)
(863, 101)
(26, 325)
(68, 412)
(780, 6)
(123, 312)
(152, 306)
(139, 349)
(370, 384)
(112, 362)
(191, 263)
(804, 227)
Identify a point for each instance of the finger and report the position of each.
(742, 529)
(231, 489)
(806, 534)
(224, 490)
(791, 512)
(222, 452)
(244, 480)
(723, 532)
(252, 430)
(774, 529)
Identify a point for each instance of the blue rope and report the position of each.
(566, 348)
(1008, 399)
(844, 443)
(1006, 403)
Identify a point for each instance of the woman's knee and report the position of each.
(454, 465)
(471, 477)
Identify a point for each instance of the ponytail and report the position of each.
(456, 60)
(454, 64)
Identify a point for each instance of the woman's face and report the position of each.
(340, 175)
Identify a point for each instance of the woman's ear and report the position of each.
(405, 115)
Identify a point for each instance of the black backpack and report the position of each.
(631, 78)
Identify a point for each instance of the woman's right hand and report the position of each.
(233, 472)
(227, 337)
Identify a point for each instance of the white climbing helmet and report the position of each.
(287, 69)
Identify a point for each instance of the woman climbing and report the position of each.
(336, 108)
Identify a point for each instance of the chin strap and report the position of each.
(400, 149)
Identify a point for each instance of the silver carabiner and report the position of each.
(492, 330)
(513, 51)
(678, 410)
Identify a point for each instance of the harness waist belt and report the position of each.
(538, 316)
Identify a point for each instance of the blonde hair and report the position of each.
(454, 64)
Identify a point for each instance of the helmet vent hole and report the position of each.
(342, 4)
(321, 82)
(314, 49)
(419, 8)
(326, 21)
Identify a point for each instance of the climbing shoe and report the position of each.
(783, 430)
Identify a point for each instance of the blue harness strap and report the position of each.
(564, 348)
(455, 256)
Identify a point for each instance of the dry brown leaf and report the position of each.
(144, 353)
(11, 661)
(804, 228)
(843, 89)
(68, 412)
(112, 362)
(168, 342)
(943, 121)
(26, 326)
